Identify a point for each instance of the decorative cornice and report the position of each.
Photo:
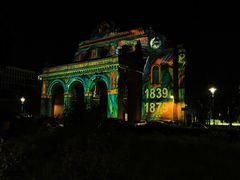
(81, 68)
(115, 37)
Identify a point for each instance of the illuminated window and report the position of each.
(94, 53)
(155, 75)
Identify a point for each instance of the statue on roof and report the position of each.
(104, 29)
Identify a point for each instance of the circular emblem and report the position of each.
(155, 43)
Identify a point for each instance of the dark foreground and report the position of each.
(80, 152)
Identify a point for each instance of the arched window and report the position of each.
(155, 75)
(93, 53)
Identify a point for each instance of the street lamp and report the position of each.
(212, 90)
(22, 99)
(174, 112)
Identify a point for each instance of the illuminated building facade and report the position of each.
(131, 75)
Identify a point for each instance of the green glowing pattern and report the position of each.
(85, 73)
(104, 65)
(158, 100)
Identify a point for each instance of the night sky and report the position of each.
(37, 35)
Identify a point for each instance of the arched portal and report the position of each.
(77, 99)
(100, 97)
(155, 74)
(57, 100)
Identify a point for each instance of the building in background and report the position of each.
(132, 75)
(16, 83)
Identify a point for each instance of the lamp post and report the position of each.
(212, 90)
(174, 110)
(22, 99)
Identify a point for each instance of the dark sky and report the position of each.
(35, 35)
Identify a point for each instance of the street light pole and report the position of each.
(22, 99)
(228, 116)
(212, 90)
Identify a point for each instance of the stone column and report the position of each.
(88, 99)
(50, 107)
(44, 103)
(46, 106)
(112, 105)
(67, 101)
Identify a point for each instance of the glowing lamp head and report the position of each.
(212, 90)
(22, 99)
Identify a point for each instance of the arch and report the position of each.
(74, 80)
(155, 74)
(57, 100)
(77, 98)
(99, 77)
(53, 83)
(99, 99)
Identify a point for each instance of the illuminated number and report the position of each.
(152, 93)
(164, 107)
(152, 107)
(165, 92)
(147, 93)
(146, 107)
(159, 93)
(158, 106)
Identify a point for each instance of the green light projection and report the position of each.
(85, 73)
(158, 73)
(157, 94)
